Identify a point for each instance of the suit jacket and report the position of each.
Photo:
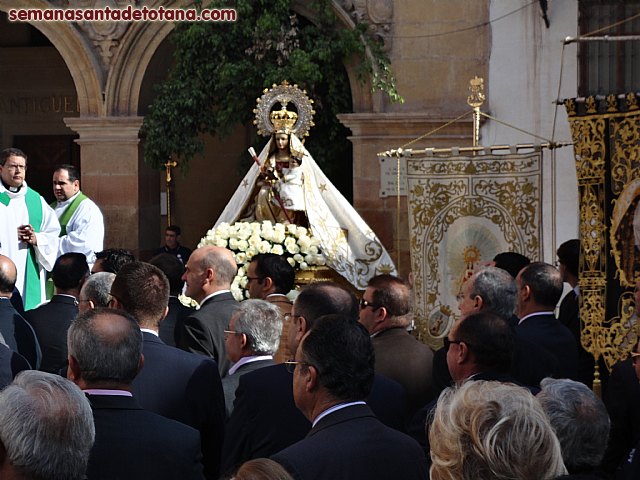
(285, 305)
(203, 331)
(622, 399)
(132, 443)
(177, 311)
(184, 387)
(353, 443)
(230, 382)
(545, 330)
(11, 363)
(401, 357)
(51, 321)
(18, 334)
(266, 420)
(569, 316)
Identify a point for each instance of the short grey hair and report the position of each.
(46, 426)
(97, 287)
(497, 289)
(580, 420)
(101, 358)
(261, 322)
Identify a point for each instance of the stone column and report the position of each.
(378, 132)
(111, 175)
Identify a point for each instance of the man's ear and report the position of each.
(478, 303)
(73, 370)
(141, 362)
(311, 381)
(267, 283)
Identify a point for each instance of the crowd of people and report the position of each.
(113, 377)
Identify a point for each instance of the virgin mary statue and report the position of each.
(285, 185)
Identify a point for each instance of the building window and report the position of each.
(608, 67)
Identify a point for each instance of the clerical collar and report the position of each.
(11, 189)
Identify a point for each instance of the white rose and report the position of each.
(303, 266)
(278, 237)
(264, 247)
(241, 258)
(313, 250)
(291, 261)
(233, 243)
(298, 258)
(251, 252)
(291, 228)
(221, 242)
(277, 249)
(320, 260)
(279, 228)
(289, 241)
(301, 232)
(293, 248)
(241, 273)
(243, 245)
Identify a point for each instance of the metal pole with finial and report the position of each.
(168, 166)
(475, 100)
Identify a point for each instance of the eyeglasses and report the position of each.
(227, 333)
(249, 279)
(447, 343)
(289, 316)
(364, 304)
(291, 365)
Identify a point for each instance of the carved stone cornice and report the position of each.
(105, 37)
(378, 14)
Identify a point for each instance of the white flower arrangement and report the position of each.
(246, 239)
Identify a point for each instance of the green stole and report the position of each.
(64, 220)
(32, 289)
(68, 212)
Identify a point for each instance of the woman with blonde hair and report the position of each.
(261, 469)
(492, 431)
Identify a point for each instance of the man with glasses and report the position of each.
(29, 228)
(333, 373)
(251, 341)
(385, 311)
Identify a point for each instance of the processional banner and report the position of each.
(463, 210)
(606, 137)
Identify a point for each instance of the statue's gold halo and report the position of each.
(284, 94)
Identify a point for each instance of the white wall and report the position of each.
(524, 74)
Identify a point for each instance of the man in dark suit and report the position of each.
(251, 341)
(385, 310)
(15, 331)
(209, 273)
(105, 354)
(539, 288)
(265, 419)
(622, 398)
(175, 384)
(569, 310)
(480, 346)
(51, 320)
(173, 269)
(332, 376)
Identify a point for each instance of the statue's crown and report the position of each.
(283, 120)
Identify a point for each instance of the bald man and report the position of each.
(15, 331)
(208, 276)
